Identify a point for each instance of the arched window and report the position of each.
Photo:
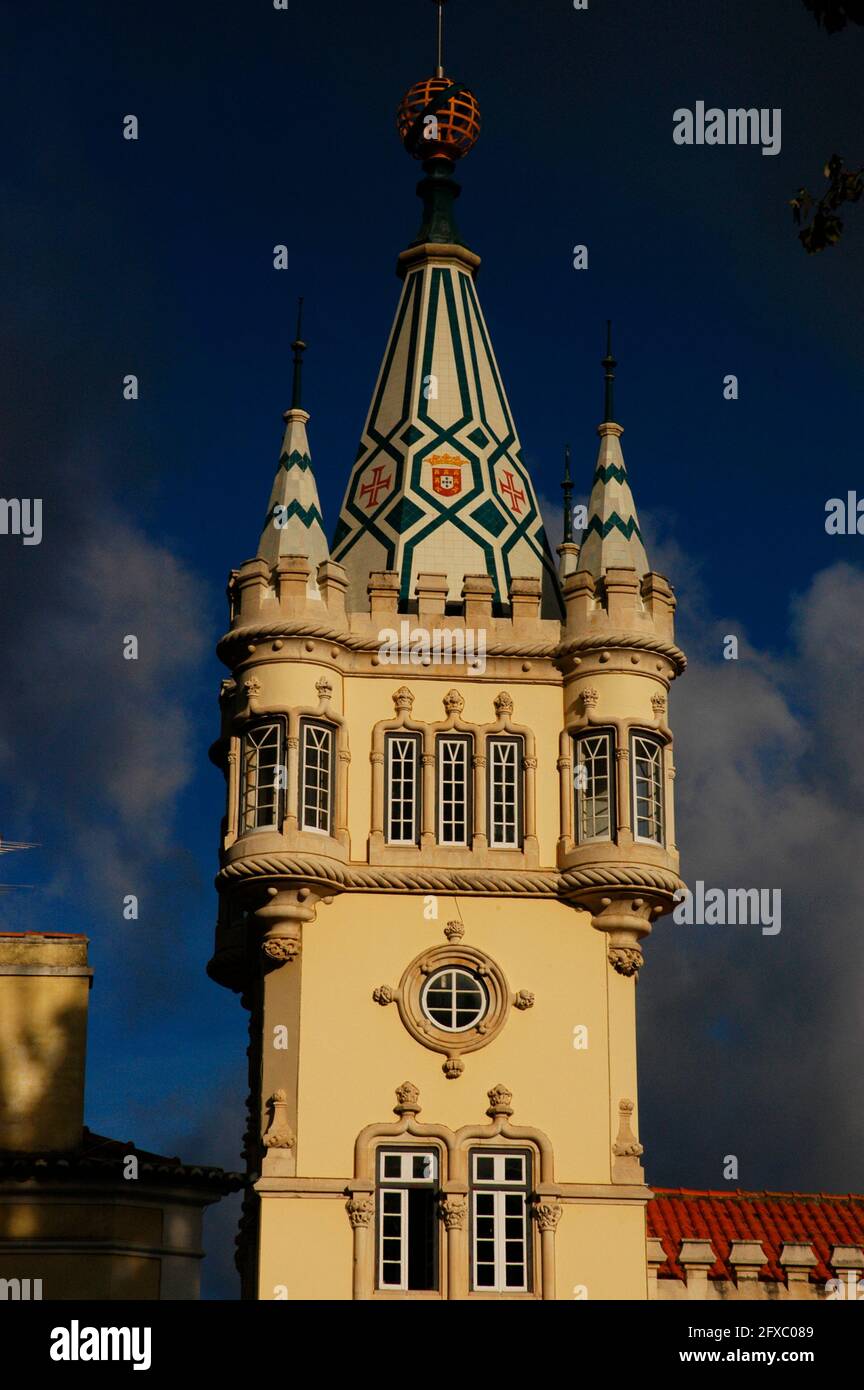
(317, 776)
(594, 786)
(505, 798)
(646, 760)
(500, 1232)
(263, 777)
(407, 1225)
(402, 788)
(454, 789)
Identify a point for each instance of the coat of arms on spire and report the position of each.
(446, 475)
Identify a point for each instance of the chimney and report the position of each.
(44, 990)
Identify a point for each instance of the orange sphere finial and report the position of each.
(438, 119)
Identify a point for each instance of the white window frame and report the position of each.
(393, 1188)
(308, 728)
(586, 797)
(250, 790)
(445, 741)
(391, 742)
(499, 1189)
(477, 984)
(504, 791)
(654, 795)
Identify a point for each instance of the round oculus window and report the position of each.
(454, 999)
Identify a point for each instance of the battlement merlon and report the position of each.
(273, 604)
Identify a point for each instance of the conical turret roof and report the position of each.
(611, 538)
(294, 524)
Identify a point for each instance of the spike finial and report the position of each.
(609, 364)
(299, 347)
(567, 488)
(439, 51)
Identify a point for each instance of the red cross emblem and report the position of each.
(375, 485)
(514, 494)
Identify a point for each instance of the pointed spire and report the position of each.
(439, 52)
(612, 538)
(440, 484)
(567, 488)
(294, 523)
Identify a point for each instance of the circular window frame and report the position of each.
(454, 957)
(476, 981)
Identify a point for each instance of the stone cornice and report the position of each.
(369, 641)
(526, 883)
(329, 873)
(637, 641)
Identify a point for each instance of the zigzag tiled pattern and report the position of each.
(611, 537)
(301, 526)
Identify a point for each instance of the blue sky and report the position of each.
(260, 127)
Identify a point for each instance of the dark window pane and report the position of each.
(421, 1239)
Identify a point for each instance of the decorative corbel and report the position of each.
(279, 1135)
(626, 1149)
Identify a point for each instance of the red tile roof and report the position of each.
(774, 1218)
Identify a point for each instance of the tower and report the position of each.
(449, 827)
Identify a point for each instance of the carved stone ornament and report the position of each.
(281, 948)
(499, 1101)
(407, 1099)
(324, 686)
(503, 704)
(453, 1068)
(252, 687)
(626, 1149)
(658, 703)
(361, 1210)
(627, 960)
(454, 931)
(428, 759)
(590, 697)
(547, 1215)
(279, 1134)
(453, 702)
(403, 699)
(524, 999)
(454, 1213)
(384, 994)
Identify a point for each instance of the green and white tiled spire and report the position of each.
(611, 538)
(294, 523)
(440, 484)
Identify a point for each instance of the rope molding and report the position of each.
(548, 883)
(626, 876)
(299, 627)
